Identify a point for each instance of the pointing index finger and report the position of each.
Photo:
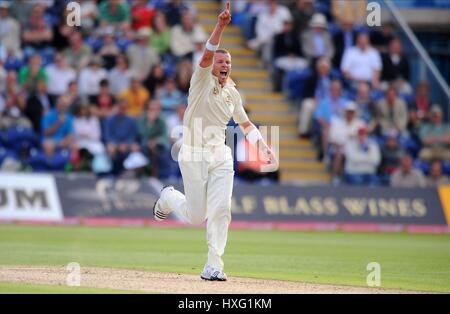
(228, 6)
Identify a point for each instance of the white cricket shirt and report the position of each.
(210, 108)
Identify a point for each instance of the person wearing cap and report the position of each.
(141, 55)
(362, 62)
(9, 29)
(341, 131)
(316, 41)
(269, 24)
(362, 157)
(90, 78)
(435, 137)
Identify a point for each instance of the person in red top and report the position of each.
(421, 102)
(142, 15)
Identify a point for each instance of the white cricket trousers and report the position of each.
(208, 185)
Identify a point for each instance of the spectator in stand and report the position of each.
(62, 31)
(38, 103)
(342, 130)
(136, 97)
(406, 176)
(391, 155)
(169, 96)
(421, 103)
(184, 35)
(156, 79)
(120, 135)
(11, 91)
(174, 123)
(9, 29)
(396, 67)
(20, 10)
(198, 53)
(141, 55)
(381, 37)
(436, 177)
(90, 78)
(317, 88)
(109, 50)
(393, 112)
(435, 137)
(31, 73)
(174, 11)
(268, 25)
(115, 13)
(78, 54)
(103, 103)
(120, 76)
(161, 35)
(183, 75)
(413, 132)
(57, 128)
(302, 11)
(362, 62)
(152, 130)
(142, 14)
(89, 15)
(354, 11)
(59, 76)
(13, 115)
(37, 33)
(362, 157)
(366, 107)
(329, 107)
(286, 53)
(87, 131)
(316, 40)
(344, 39)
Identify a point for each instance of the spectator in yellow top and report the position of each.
(136, 96)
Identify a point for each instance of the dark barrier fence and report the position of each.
(29, 196)
(88, 197)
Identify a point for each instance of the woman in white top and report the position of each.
(87, 131)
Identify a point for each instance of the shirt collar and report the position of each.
(229, 81)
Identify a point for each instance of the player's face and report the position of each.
(222, 66)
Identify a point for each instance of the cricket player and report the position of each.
(206, 163)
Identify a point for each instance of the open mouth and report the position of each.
(223, 74)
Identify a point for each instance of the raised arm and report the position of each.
(223, 20)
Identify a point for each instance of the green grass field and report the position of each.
(408, 261)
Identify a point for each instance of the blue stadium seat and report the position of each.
(294, 82)
(5, 153)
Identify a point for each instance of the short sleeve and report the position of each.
(201, 75)
(239, 114)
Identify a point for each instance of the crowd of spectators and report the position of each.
(352, 87)
(103, 96)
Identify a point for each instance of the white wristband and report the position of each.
(254, 136)
(211, 47)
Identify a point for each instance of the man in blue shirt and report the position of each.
(330, 106)
(57, 127)
(120, 135)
